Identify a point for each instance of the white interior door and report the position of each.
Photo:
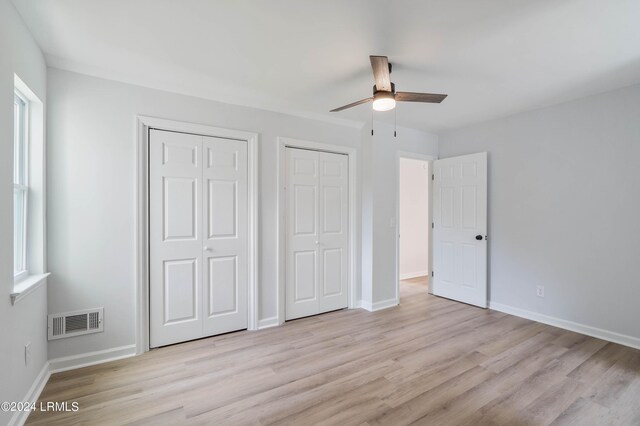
(197, 236)
(317, 232)
(175, 262)
(225, 235)
(460, 228)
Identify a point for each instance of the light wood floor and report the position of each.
(428, 361)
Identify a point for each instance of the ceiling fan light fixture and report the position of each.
(384, 91)
(384, 101)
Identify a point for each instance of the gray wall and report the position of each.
(91, 206)
(92, 183)
(564, 208)
(26, 321)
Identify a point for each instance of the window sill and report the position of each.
(26, 286)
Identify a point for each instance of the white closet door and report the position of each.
(460, 227)
(317, 233)
(302, 233)
(175, 176)
(334, 234)
(198, 236)
(225, 235)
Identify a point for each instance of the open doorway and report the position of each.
(414, 225)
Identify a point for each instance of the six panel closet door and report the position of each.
(198, 236)
(317, 186)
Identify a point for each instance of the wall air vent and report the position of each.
(75, 323)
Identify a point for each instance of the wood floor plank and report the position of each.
(615, 381)
(556, 399)
(584, 412)
(428, 361)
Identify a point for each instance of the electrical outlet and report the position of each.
(540, 291)
(27, 353)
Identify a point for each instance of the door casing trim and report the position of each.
(283, 144)
(143, 124)
(429, 159)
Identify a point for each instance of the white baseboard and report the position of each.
(268, 322)
(599, 333)
(366, 305)
(409, 275)
(378, 306)
(20, 417)
(384, 304)
(91, 358)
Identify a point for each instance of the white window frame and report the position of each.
(21, 185)
(30, 179)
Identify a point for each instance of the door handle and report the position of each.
(479, 237)
(207, 248)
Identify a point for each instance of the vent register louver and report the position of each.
(75, 323)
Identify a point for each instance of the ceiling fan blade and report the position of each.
(419, 97)
(362, 101)
(380, 66)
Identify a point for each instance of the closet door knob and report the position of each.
(207, 248)
(479, 237)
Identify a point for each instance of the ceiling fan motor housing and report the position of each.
(393, 89)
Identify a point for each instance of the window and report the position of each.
(20, 184)
(29, 192)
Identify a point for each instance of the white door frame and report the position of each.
(143, 124)
(283, 144)
(429, 159)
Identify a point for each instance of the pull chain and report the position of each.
(395, 121)
(371, 121)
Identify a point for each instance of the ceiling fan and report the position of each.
(384, 91)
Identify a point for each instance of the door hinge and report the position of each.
(431, 225)
(432, 273)
(433, 177)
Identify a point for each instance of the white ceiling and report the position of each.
(493, 57)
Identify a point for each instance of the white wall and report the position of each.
(92, 186)
(26, 321)
(564, 203)
(384, 189)
(414, 217)
(365, 290)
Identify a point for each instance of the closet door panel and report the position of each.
(175, 243)
(198, 228)
(316, 191)
(301, 190)
(225, 235)
(334, 230)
